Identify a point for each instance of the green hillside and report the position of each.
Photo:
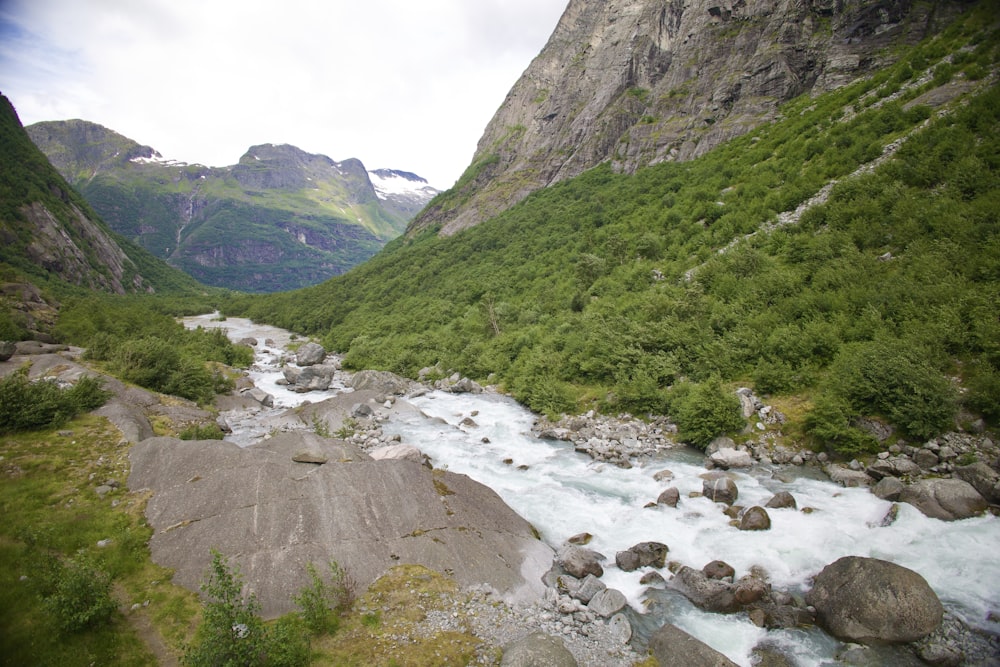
(646, 293)
(279, 219)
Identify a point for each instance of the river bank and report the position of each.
(564, 491)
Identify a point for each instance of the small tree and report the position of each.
(322, 602)
(231, 632)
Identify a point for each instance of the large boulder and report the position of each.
(644, 554)
(310, 354)
(537, 650)
(945, 499)
(272, 516)
(709, 594)
(727, 458)
(755, 518)
(580, 561)
(983, 479)
(672, 646)
(869, 600)
(380, 382)
(720, 489)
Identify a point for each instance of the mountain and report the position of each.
(639, 82)
(49, 232)
(279, 219)
(842, 257)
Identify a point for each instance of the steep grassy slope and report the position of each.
(625, 292)
(279, 219)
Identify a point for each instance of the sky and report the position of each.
(400, 84)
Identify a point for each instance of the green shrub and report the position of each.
(80, 596)
(202, 432)
(322, 602)
(231, 631)
(894, 378)
(26, 405)
(829, 423)
(704, 411)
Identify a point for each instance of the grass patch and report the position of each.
(53, 512)
(384, 627)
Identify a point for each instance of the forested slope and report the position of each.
(630, 292)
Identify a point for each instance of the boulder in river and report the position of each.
(669, 497)
(644, 554)
(672, 646)
(755, 518)
(868, 600)
(380, 382)
(580, 561)
(720, 489)
(945, 499)
(310, 354)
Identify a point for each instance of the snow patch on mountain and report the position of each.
(395, 183)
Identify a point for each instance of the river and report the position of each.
(563, 493)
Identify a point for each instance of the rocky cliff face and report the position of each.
(280, 219)
(46, 229)
(637, 82)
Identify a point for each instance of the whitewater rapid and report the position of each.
(564, 493)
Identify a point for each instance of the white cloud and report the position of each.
(396, 83)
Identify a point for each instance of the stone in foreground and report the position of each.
(870, 600)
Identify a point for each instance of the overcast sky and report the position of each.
(403, 84)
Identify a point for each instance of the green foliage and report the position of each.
(232, 633)
(79, 596)
(620, 286)
(26, 405)
(703, 411)
(829, 423)
(148, 347)
(322, 602)
(894, 378)
(202, 432)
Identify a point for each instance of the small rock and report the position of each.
(718, 569)
(755, 518)
(670, 497)
(608, 602)
(781, 500)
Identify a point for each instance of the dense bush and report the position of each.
(79, 595)
(28, 405)
(322, 602)
(704, 411)
(150, 348)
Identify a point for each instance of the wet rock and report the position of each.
(751, 588)
(579, 561)
(309, 354)
(718, 569)
(888, 488)
(644, 554)
(727, 458)
(651, 578)
(249, 341)
(663, 475)
(708, 594)
(669, 497)
(770, 656)
(870, 600)
(672, 646)
(782, 500)
(720, 489)
(537, 650)
(580, 539)
(945, 499)
(755, 518)
(262, 397)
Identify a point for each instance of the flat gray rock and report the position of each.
(272, 516)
